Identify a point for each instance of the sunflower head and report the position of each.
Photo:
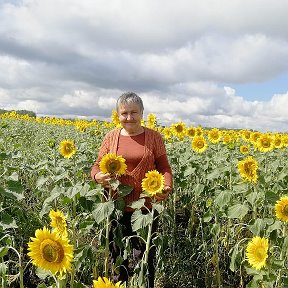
(244, 149)
(113, 164)
(115, 118)
(151, 120)
(153, 183)
(191, 132)
(67, 148)
(50, 252)
(214, 135)
(103, 282)
(248, 169)
(257, 252)
(281, 209)
(179, 129)
(199, 144)
(265, 143)
(58, 223)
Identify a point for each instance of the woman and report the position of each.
(144, 150)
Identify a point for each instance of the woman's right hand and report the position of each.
(103, 179)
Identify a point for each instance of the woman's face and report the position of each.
(130, 116)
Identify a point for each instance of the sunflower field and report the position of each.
(224, 225)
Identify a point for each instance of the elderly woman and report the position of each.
(144, 150)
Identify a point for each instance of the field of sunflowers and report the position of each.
(224, 225)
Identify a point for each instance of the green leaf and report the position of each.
(238, 211)
(199, 188)
(215, 230)
(271, 197)
(138, 204)
(124, 190)
(257, 227)
(3, 251)
(252, 198)
(102, 211)
(158, 207)
(3, 156)
(7, 221)
(11, 195)
(42, 274)
(189, 171)
(233, 258)
(223, 198)
(277, 225)
(140, 220)
(3, 269)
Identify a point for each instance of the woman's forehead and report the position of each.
(129, 106)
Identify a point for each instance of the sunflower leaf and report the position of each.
(102, 211)
(140, 220)
(238, 211)
(138, 204)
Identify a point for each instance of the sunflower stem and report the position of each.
(106, 256)
(106, 263)
(147, 248)
(21, 269)
(73, 239)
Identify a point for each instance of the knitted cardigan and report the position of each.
(154, 147)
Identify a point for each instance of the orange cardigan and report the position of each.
(154, 147)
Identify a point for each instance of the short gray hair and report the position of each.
(130, 97)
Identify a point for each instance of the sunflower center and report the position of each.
(200, 144)
(285, 210)
(153, 183)
(179, 128)
(52, 251)
(113, 166)
(248, 168)
(266, 143)
(68, 148)
(260, 253)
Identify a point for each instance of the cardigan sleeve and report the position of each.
(161, 160)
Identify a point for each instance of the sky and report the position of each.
(213, 63)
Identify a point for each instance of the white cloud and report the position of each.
(61, 57)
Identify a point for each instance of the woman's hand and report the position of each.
(163, 196)
(103, 179)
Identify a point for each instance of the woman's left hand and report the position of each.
(163, 196)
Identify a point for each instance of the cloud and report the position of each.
(76, 57)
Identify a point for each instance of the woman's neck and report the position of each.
(132, 133)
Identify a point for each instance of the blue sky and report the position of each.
(212, 63)
(263, 91)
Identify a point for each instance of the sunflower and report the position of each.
(179, 129)
(278, 143)
(199, 144)
(115, 118)
(50, 252)
(245, 135)
(257, 252)
(58, 222)
(199, 131)
(265, 143)
(248, 169)
(191, 131)
(106, 283)
(153, 183)
(167, 133)
(254, 136)
(151, 120)
(244, 149)
(67, 148)
(113, 164)
(214, 135)
(281, 209)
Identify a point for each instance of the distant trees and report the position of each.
(20, 112)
